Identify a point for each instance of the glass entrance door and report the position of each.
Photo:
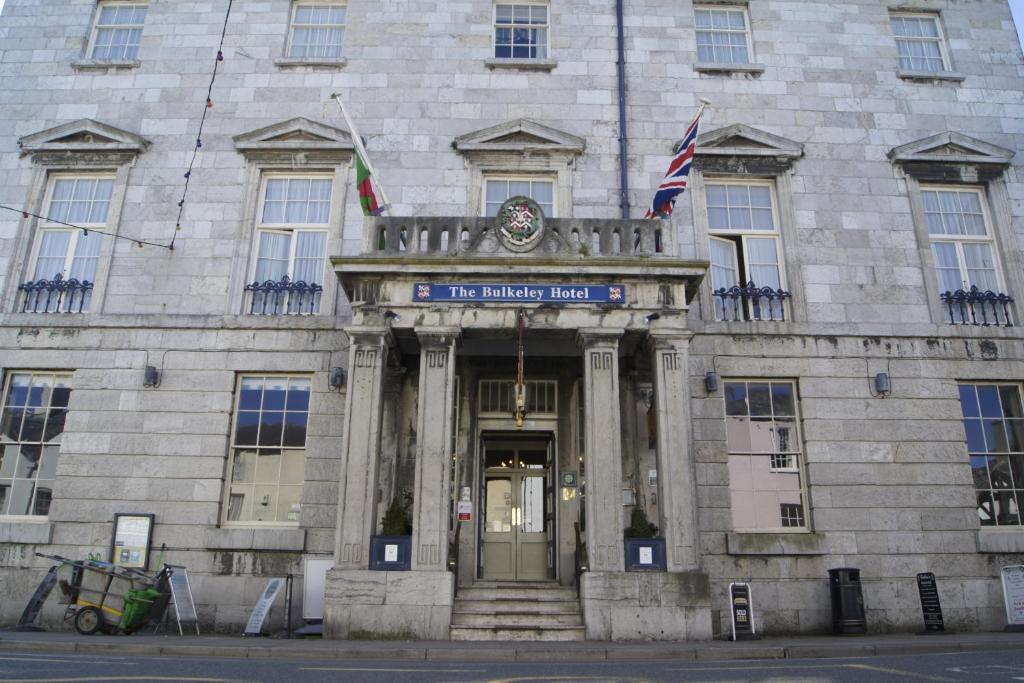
(518, 519)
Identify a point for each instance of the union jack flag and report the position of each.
(678, 171)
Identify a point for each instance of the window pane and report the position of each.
(759, 399)
(736, 398)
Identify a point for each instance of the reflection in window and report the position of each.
(994, 425)
(764, 455)
(34, 410)
(521, 31)
(268, 449)
(498, 190)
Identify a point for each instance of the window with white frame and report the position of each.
(34, 409)
(268, 449)
(318, 30)
(994, 424)
(723, 35)
(919, 42)
(118, 31)
(961, 240)
(765, 458)
(521, 31)
(744, 240)
(291, 242)
(70, 253)
(497, 190)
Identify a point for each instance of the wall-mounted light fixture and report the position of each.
(711, 381)
(883, 385)
(391, 317)
(151, 377)
(337, 378)
(649, 318)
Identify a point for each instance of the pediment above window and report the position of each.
(521, 136)
(740, 148)
(299, 140)
(951, 148)
(85, 138)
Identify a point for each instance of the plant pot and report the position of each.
(390, 553)
(645, 555)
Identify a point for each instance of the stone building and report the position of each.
(814, 364)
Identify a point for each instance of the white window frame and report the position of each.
(991, 489)
(233, 447)
(960, 240)
(947, 64)
(96, 27)
(722, 235)
(796, 451)
(4, 397)
(513, 26)
(292, 26)
(47, 226)
(747, 33)
(540, 178)
(292, 229)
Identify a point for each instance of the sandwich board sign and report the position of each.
(1013, 595)
(742, 609)
(259, 613)
(181, 596)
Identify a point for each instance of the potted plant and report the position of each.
(644, 550)
(392, 549)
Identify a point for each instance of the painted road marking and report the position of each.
(104, 679)
(902, 672)
(397, 671)
(552, 679)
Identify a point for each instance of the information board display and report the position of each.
(266, 601)
(133, 536)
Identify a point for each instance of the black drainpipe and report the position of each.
(623, 140)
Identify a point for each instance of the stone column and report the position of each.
(676, 471)
(432, 495)
(603, 443)
(360, 454)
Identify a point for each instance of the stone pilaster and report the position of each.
(360, 456)
(676, 471)
(603, 448)
(431, 509)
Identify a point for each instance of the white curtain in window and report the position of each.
(947, 266)
(53, 249)
(763, 262)
(272, 258)
(724, 271)
(981, 266)
(87, 254)
(310, 250)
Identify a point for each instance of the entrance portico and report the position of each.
(603, 333)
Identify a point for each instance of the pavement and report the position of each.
(802, 647)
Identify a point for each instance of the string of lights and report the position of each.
(138, 242)
(188, 174)
(202, 122)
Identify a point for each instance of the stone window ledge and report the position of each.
(105, 64)
(1001, 541)
(710, 67)
(930, 76)
(256, 538)
(521, 64)
(775, 544)
(318, 62)
(26, 531)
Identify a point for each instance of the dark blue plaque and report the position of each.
(519, 293)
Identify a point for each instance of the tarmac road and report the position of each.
(42, 667)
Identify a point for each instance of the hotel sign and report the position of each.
(520, 293)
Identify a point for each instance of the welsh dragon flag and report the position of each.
(364, 183)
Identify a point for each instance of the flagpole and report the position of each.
(358, 142)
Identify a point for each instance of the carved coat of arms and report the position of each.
(520, 223)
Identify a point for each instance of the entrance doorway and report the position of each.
(518, 524)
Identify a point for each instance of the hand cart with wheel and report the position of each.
(101, 596)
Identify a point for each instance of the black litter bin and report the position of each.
(847, 602)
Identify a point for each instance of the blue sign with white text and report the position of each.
(520, 293)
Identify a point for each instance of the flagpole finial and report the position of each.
(704, 100)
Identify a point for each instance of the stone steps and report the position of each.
(517, 611)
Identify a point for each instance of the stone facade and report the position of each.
(823, 116)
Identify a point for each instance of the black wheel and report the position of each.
(88, 620)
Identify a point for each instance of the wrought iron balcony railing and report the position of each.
(750, 302)
(56, 296)
(284, 297)
(975, 307)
